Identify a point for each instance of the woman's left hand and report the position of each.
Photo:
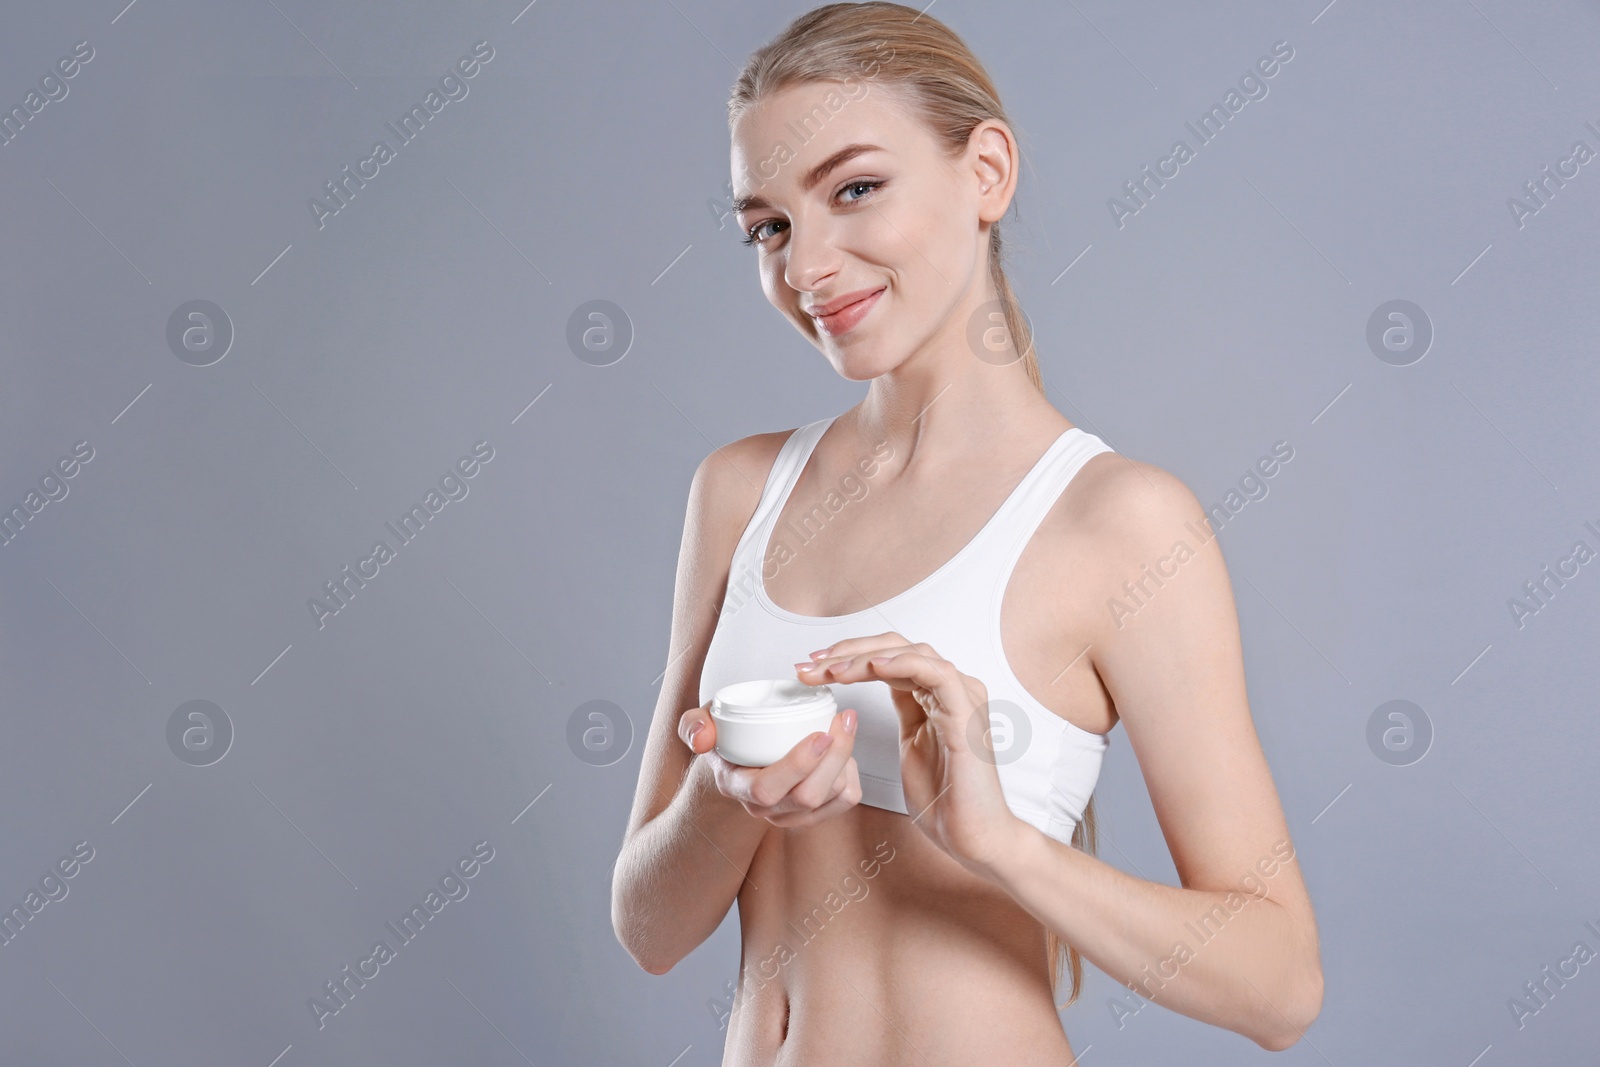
(947, 764)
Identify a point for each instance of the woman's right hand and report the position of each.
(803, 788)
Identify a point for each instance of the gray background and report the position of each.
(587, 162)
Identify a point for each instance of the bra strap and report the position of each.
(781, 479)
(1026, 509)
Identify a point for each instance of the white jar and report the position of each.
(758, 722)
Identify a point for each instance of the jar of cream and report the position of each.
(758, 722)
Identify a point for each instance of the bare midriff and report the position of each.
(864, 943)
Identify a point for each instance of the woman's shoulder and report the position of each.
(1117, 490)
(1118, 520)
(746, 461)
(727, 485)
(1123, 509)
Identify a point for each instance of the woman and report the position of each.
(906, 880)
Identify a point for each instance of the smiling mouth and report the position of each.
(846, 317)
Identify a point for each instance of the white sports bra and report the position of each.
(1047, 766)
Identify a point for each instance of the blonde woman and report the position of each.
(987, 589)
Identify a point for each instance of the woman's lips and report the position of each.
(845, 319)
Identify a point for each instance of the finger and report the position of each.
(824, 782)
(853, 667)
(851, 645)
(799, 820)
(766, 786)
(951, 703)
(850, 649)
(698, 729)
(914, 669)
(848, 796)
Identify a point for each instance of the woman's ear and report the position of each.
(993, 152)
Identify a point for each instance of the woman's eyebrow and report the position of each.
(812, 177)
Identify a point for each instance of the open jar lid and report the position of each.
(767, 699)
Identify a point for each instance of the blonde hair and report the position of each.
(934, 72)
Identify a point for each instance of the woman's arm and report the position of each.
(687, 847)
(679, 873)
(1236, 945)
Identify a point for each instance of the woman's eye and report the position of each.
(752, 235)
(869, 186)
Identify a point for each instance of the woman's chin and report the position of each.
(859, 366)
(860, 374)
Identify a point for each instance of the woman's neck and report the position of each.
(933, 418)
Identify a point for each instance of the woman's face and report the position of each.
(846, 196)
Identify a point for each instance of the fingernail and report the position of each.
(819, 653)
(695, 729)
(849, 720)
(821, 744)
(804, 666)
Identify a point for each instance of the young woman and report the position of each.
(987, 588)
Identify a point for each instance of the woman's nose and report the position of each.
(811, 257)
